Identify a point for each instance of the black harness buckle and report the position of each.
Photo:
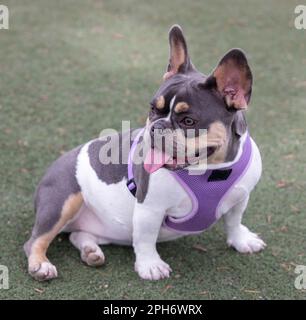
(132, 186)
(219, 175)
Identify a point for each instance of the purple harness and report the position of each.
(206, 191)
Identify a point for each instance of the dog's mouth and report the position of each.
(156, 159)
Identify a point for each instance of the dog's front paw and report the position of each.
(154, 269)
(43, 271)
(245, 241)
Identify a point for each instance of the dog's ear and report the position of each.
(233, 79)
(179, 60)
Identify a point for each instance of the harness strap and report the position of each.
(216, 175)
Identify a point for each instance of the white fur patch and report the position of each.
(170, 108)
(112, 204)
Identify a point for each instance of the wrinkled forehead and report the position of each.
(180, 88)
(168, 90)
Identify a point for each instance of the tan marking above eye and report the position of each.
(181, 107)
(160, 102)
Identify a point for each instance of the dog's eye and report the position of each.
(188, 121)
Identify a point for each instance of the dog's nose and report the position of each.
(160, 126)
(157, 127)
(158, 131)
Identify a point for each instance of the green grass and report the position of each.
(68, 69)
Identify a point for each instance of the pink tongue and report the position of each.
(155, 159)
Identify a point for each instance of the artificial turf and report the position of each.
(68, 69)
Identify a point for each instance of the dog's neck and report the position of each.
(233, 145)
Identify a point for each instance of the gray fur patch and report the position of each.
(239, 127)
(58, 183)
(109, 173)
(239, 123)
(142, 178)
(114, 173)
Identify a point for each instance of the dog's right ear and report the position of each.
(179, 61)
(233, 79)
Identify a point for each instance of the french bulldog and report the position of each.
(143, 203)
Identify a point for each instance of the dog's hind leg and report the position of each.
(57, 201)
(36, 248)
(87, 243)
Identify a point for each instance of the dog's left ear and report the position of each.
(233, 79)
(179, 61)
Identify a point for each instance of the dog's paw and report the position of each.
(245, 241)
(154, 269)
(92, 255)
(43, 271)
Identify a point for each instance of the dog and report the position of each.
(145, 203)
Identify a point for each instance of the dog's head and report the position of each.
(188, 102)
